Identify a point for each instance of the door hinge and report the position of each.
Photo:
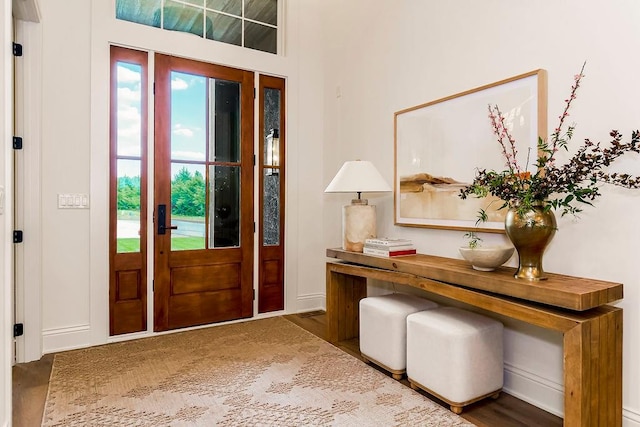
(18, 330)
(254, 294)
(254, 226)
(254, 160)
(254, 93)
(153, 286)
(17, 49)
(17, 143)
(17, 236)
(154, 88)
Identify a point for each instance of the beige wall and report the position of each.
(387, 56)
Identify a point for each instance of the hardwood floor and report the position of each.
(31, 381)
(30, 385)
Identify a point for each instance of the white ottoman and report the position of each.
(455, 355)
(383, 329)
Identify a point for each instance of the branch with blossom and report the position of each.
(556, 187)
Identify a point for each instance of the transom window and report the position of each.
(248, 23)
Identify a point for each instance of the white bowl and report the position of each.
(487, 258)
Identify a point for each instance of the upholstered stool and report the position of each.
(455, 355)
(383, 329)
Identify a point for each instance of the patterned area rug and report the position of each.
(262, 372)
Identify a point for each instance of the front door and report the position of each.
(203, 193)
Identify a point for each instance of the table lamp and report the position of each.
(358, 218)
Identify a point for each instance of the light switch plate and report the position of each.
(73, 201)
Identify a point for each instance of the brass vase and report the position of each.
(530, 232)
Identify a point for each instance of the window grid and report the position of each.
(203, 10)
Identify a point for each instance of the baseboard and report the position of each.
(630, 418)
(69, 338)
(310, 302)
(541, 392)
(547, 395)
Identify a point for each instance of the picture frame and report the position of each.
(439, 145)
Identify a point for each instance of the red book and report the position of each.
(385, 253)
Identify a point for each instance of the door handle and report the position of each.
(162, 220)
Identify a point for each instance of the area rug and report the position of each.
(265, 372)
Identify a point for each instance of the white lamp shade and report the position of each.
(358, 176)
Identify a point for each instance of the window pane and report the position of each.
(224, 121)
(146, 12)
(187, 206)
(271, 190)
(180, 17)
(219, 20)
(271, 149)
(128, 106)
(188, 116)
(233, 7)
(262, 10)
(271, 110)
(224, 28)
(260, 37)
(225, 207)
(271, 208)
(128, 206)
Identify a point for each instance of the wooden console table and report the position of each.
(576, 307)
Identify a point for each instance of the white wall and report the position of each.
(387, 56)
(6, 225)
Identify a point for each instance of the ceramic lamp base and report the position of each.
(358, 224)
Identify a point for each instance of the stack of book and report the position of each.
(388, 247)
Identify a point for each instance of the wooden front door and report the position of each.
(203, 193)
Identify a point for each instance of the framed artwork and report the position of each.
(440, 144)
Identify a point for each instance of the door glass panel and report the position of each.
(271, 208)
(188, 116)
(224, 203)
(128, 206)
(271, 176)
(128, 96)
(224, 121)
(188, 201)
(128, 145)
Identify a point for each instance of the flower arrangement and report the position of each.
(556, 186)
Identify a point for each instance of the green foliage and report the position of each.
(188, 194)
(474, 239)
(129, 193)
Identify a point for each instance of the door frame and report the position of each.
(6, 179)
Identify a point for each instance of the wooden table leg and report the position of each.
(593, 372)
(344, 293)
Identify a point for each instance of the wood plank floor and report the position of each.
(31, 382)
